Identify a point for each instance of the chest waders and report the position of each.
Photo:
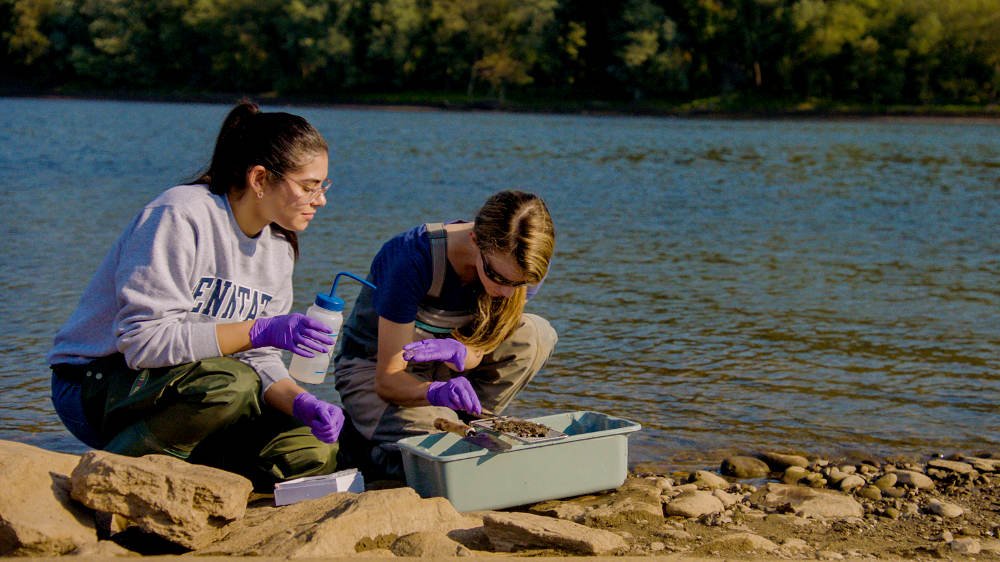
(503, 372)
(500, 375)
(432, 321)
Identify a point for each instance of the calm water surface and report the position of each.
(828, 287)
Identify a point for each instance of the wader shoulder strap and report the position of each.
(439, 256)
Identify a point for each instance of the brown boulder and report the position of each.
(37, 516)
(182, 502)
(335, 524)
(510, 532)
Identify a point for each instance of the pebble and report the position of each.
(663, 483)
(743, 542)
(694, 504)
(983, 465)
(870, 492)
(945, 536)
(886, 481)
(675, 534)
(851, 482)
(952, 466)
(744, 467)
(708, 480)
(728, 500)
(835, 476)
(944, 509)
(990, 545)
(937, 474)
(793, 474)
(815, 480)
(868, 469)
(914, 479)
(894, 492)
(788, 519)
(657, 546)
(829, 555)
(892, 513)
(794, 546)
(781, 461)
(966, 545)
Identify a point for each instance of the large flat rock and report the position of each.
(511, 532)
(37, 516)
(182, 502)
(334, 524)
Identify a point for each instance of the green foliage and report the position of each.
(873, 52)
(495, 41)
(651, 58)
(25, 37)
(39, 35)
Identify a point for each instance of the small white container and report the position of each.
(310, 487)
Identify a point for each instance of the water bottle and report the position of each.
(328, 309)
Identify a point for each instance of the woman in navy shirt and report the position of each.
(445, 333)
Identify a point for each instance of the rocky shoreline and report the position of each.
(767, 506)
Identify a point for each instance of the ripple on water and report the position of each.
(730, 285)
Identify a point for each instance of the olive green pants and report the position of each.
(208, 412)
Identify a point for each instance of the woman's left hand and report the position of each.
(442, 349)
(294, 332)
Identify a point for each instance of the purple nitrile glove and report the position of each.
(456, 394)
(324, 419)
(293, 332)
(444, 349)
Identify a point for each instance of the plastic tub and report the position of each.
(592, 457)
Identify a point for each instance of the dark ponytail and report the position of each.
(278, 141)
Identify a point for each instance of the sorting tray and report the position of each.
(592, 456)
(490, 424)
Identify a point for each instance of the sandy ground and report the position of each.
(893, 528)
(901, 526)
(491, 557)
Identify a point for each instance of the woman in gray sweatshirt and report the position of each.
(175, 346)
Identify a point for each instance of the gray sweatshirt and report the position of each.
(182, 266)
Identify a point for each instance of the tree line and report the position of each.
(854, 51)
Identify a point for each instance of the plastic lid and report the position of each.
(329, 302)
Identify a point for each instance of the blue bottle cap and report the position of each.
(332, 301)
(329, 302)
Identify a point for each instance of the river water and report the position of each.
(828, 287)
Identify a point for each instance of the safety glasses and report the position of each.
(496, 277)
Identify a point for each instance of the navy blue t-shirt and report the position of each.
(402, 271)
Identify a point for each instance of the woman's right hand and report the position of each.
(292, 332)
